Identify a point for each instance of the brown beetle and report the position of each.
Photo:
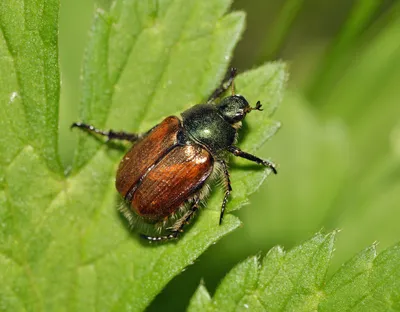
(167, 171)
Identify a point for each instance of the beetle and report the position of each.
(168, 170)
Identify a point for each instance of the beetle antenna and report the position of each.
(258, 106)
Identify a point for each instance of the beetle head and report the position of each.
(234, 108)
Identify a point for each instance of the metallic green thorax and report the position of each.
(212, 125)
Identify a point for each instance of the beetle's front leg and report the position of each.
(239, 153)
(226, 83)
(111, 135)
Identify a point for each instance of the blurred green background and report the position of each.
(338, 150)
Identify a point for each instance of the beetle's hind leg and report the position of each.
(110, 134)
(177, 228)
(226, 83)
(228, 190)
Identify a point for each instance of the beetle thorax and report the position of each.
(206, 126)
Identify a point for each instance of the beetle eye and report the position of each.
(240, 113)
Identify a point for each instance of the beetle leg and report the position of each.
(177, 228)
(186, 218)
(226, 83)
(228, 189)
(111, 135)
(239, 153)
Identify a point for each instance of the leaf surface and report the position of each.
(297, 281)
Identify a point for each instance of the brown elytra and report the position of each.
(157, 176)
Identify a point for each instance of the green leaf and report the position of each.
(63, 243)
(29, 83)
(296, 281)
(200, 300)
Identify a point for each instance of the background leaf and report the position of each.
(63, 243)
(296, 281)
(29, 81)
